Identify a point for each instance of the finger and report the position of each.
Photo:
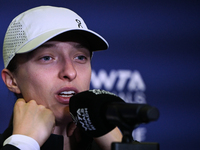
(70, 128)
(18, 104)
(20, 99)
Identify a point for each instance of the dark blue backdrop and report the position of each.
(158, 40)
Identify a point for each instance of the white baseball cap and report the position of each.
(34, 27)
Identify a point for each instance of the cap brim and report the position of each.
(95, 41)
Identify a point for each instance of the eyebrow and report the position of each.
(47, 45)
(79, 45)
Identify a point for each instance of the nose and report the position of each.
(68, 71)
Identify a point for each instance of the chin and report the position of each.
(63, 117)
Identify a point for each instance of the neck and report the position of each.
(69, 132)
(73, 138)
(61, 129)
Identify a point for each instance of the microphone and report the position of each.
(98, 112)
(130, 115)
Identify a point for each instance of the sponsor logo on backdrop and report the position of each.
(127, 84)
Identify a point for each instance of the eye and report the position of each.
(46, 58)
(81, 57)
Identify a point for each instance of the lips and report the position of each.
(67, 93)
(63, 95)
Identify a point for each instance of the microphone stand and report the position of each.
(128, 143)
(128, 121)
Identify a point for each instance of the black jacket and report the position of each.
(54, 142)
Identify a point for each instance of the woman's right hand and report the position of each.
(33, 120)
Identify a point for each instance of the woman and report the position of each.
(47, 57)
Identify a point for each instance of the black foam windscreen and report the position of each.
(88, 111)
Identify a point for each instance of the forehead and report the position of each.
(55, 47)
(56, 43)
(78, 41)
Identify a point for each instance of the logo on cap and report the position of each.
(79, 23)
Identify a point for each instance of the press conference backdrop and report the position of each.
(154, 58)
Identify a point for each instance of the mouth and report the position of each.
(63, 95)
(67, 94)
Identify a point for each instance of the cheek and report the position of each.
(32, 85)
(85, 77)
(88, 81)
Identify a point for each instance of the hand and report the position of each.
(70, 129)
(78, 138)
(106, 140)
(33, 120)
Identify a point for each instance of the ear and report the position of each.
(10, 81)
